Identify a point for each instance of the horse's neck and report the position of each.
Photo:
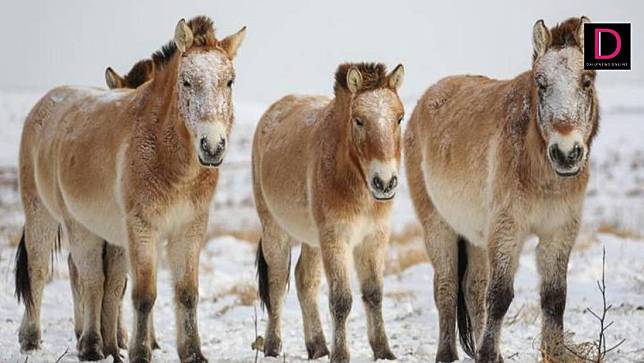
(173, 148)
(338, 137)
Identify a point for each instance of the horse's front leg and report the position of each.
(553, 253)
(143, 240)
(183, 259)
(504, 246)
(369, 257)
(335, 253)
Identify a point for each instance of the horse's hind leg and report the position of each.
(308, 278)
(273, 271)
(369, 257)
(87, 253)
(476, 280)
(77, 301)
(115, 269)
(32, 267)
(442, 249)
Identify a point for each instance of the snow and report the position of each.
(615, 202)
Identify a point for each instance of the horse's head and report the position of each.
(566, 105)
(141, 72)
(375, 114)
(204, 86)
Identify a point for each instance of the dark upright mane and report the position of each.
(564, 34)
(203, 32)
(141, 72)
(374, 75)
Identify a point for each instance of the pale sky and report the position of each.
(293, 46)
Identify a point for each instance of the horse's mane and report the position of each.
(203, 32)
(564, 34)
(374, 75)
(141, 72)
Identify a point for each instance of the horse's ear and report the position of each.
(183, 36)
(232, 42)
(354, 80)
(540, 38)
(113, 79)
(395, 78)
(580, 31)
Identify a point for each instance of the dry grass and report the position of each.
(400, 295)
(409, 233)
(245, 295)
(404, 258)
(618, 231)
(250, 235)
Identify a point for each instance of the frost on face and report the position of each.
(379, 111)
(561, 98)
(205, 95)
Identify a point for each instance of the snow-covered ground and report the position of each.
(614, 218)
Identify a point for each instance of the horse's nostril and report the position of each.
(222, 143)
(576, 153)
(393, 183)
(204, 145)
(378, 184)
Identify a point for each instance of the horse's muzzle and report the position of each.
(211, 155)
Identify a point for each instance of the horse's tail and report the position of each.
(262, 277)
(465, 330)
(23, 290)
(23, 282)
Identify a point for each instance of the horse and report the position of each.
(325, 172)
(490, 162)
(114, 266)
(132, 167)
(141, 72)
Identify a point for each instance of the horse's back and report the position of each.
(452, 135)
(283, 154)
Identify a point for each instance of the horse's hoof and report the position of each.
(141, 355)
(272, 346)
(488, 357)
(446, 355)
(121, 338)
(317, 347)
(113, 352)
(90, 347)
(195, 358)
(155, 345)
(385, 354)
(29, 339)
(340, 356)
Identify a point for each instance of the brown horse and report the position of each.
(141, 72)
(491, 162)
(133, 167)
(324, 173)
(114, 263)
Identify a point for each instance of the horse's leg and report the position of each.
(142, 245)
(76, 298)
(87, 252)
(275, 255)
(553, 253)
(441, 243)
(32, 267)
(115, 267)
(183, 260)
(307, 279)
(476, 280)
(442, 249)
(153, 335)
(121, 333)
(504, 246)
(369, 257)
(335, 254)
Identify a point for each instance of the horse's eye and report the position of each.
(186, 83)
(400, 120)
(230, 83)
(358, 122)
(541, 82)
(587, 82)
